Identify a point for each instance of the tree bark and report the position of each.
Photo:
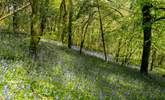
(147, 24)
(153, 59)
(63, 18)
(70, 24)
(15, 21)
(35, 28)
(84, 35)
(102, 31)
(118, 51)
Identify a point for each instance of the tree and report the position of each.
(43, 14)
(85, 29)
(63, 18)
(15, 16)
(147, 23)
(147, 27)
(101, 30)
(38, 20)
(153, 58)
(35, 28)
(70, 24)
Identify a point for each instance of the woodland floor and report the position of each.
(63, 74)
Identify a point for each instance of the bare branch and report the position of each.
(117, 11)
(19, 9)
(160, 18)
(159, 8)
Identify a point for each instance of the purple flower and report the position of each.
(113, 93)
(126, 93)
(5, 90)
(28, 87)
(25, 95)
(5, 64)
(7, 97)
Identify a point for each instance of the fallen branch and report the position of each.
(19, 9)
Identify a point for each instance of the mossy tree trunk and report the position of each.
(35, 28)
(63, 18)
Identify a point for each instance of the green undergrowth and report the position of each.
(62, 74)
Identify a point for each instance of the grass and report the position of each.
(63, 74)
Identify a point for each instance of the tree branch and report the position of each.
(160, 18)
(19, 9)
(159, 8)
(117, 11)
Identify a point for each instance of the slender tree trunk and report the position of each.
(118, 51)
(85, 32)
(153, 59)
(63, 14)
(15, 21)
(70, 24)
(147, 24)
(102, 31)
(64, 30)
(83, 40)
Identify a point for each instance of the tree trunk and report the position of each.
(70, 24)
(153, 59)
(147, 24)
(35, 28)
(84, 32)
(15, 19)
(118, 51)
(102, 31)
(63, 14)
(83, 39)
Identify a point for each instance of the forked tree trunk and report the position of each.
(83, 38)
(85, 32)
